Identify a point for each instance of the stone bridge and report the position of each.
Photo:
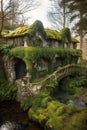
(60, 73)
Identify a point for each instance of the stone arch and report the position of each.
(20, 69)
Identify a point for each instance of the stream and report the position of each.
(12, 117)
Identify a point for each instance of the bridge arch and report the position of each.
(59, 74)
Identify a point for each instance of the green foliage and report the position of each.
(33, 54)
(27, 103)
(66, 35)
(39, 100)
(77, 121)
(71, 84)
(5, 49)
(7, 90)
(78, 81)
(70, 88)
(53, 34)
(56, 115)
(51, 84)
(37, 41)
(37, 26)
(81, 7)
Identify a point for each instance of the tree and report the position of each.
(78, 11)
(10, 9)
(58, 14)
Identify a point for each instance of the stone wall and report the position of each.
(9, 69)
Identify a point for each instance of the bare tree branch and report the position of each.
(11, 9)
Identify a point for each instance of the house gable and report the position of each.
(36, 35)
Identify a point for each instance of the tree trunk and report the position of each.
(2, 17)
(81, 33)
(64, 14)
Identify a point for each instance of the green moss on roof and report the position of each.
(31, 30)
(46, 33)
(53, 34)
(74, 40)
(28, 30)
(19, 32)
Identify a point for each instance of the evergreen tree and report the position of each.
(79, 10)
(78, 13)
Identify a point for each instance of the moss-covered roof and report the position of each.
(30, 30)
(27, 30)
(38, 26)
(74, 40)
(53, 34)
(21, 31)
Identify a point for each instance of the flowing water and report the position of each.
(12, 117)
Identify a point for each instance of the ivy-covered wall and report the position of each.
(42, 61)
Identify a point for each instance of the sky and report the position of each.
(40, 13)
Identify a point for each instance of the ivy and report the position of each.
(31, 55)
(66, 36)
(34, 53)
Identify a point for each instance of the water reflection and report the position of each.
(11, 126)
(12, 117)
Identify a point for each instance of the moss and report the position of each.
(37, 26)
(32, 55)
(61, 117)
(53, 34)
(4, 32)
(21, 31)
(77, 121)
(56, 115)
(74, 40)
(28, 30)
(66, 36)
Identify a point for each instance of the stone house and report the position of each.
(17, 67)
(36, 35)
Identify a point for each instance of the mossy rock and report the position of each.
(56, 115)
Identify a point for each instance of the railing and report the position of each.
(57, 75)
